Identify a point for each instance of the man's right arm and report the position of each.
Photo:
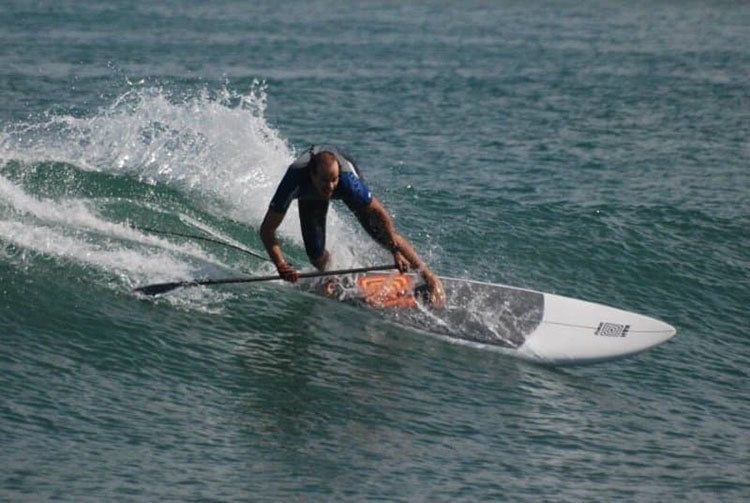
(268, 228)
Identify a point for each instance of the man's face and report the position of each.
(325, 179)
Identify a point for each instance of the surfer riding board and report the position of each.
(322, 173)
(537, 326)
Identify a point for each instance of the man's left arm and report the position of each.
(379, 224)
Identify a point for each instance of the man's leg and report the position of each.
(312, 217)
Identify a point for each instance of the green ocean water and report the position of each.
(594, 150)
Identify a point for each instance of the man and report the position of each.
(323, 173)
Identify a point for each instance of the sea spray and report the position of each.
(212, 147)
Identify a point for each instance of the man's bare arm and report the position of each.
(384, 232)
(268, 228)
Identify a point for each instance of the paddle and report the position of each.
(161, 288)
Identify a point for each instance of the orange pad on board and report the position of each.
(388, 290)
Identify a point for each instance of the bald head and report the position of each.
(323, 160)
(324, 173)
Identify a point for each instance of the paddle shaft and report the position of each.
(160, 288)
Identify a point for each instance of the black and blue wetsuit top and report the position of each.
(297, 184)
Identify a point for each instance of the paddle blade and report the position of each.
(159, 288)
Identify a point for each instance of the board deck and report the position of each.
(537, 326)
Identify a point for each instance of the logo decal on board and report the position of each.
(612, 330)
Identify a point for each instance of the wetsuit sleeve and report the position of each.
(287, 190)
(354, 192)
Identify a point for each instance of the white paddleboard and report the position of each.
(537, 326)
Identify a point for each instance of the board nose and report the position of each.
(669, 330)
(659, 330)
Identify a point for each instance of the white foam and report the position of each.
(105, 255)
(75, 215)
